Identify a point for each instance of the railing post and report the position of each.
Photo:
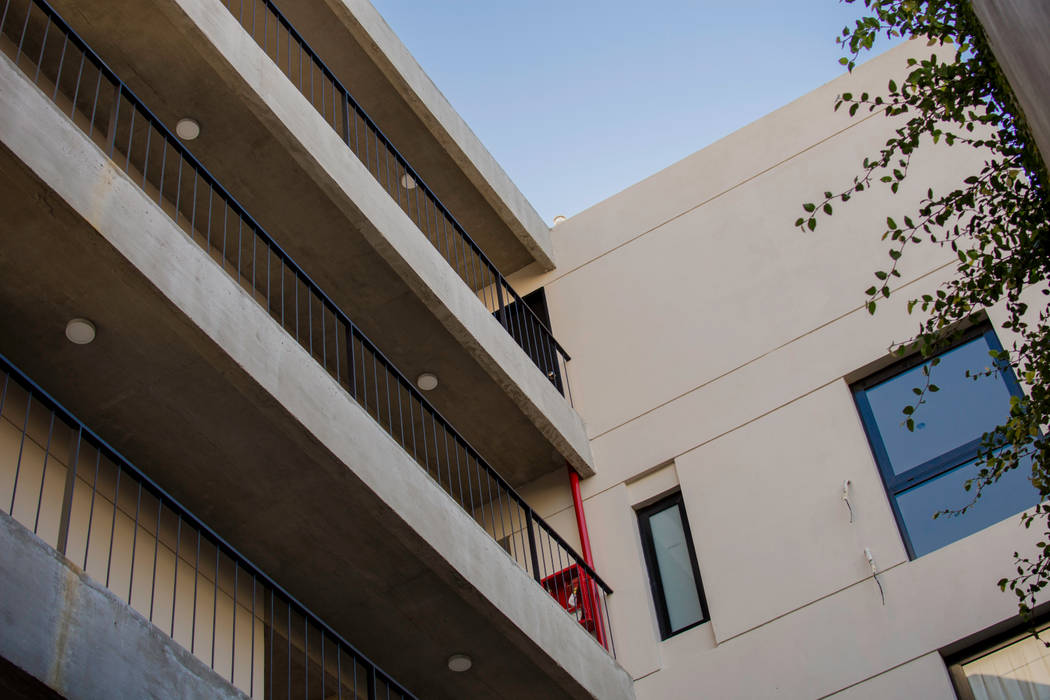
(115, 115)
(346, 118)
(67, 498)
(532, 546)
(499, 299)
(371, 682)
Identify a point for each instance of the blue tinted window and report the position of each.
(960, 412)
(1010, 495)
(924, 470)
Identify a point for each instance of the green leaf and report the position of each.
(827, 209)
(809, 206)
(891, 223)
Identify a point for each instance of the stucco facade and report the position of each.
(715, 346)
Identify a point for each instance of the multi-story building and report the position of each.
(283, 411)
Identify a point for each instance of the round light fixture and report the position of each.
(187, 129)
(80, 331)
(459, 663)
(559, 219)
(408, 182)
(427, 381)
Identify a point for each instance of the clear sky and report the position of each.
(578, 99)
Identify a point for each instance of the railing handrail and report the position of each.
(288, 260)
(175, 505)
(411, 171)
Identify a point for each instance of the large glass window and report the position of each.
(1011, 667)
(671, 561)
(924, 469)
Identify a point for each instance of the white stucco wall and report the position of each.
(713, 347)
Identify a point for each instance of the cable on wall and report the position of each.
(845, 498)
(875, 573)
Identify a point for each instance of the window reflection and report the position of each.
(924, 470)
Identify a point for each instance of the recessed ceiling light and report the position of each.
(80, 331)
(459, 663)
(427, 381)
(188, 129)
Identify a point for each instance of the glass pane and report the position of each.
(1010, 495)
(676, 569)
(1021, 670)
(961, 411)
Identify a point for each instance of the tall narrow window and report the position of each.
(671, 561)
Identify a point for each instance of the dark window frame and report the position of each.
(988, 645)
(655, 582)
(896, 484)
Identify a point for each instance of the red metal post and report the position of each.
(591, 599)
(581, 519)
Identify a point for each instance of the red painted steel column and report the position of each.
(585, 545)
(581, 519)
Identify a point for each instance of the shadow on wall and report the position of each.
(992, 687)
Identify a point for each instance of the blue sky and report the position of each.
(578, 99)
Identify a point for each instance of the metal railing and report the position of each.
(304, 68)
(60, 63)
(78, 494)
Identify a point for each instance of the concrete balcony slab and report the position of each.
(194, 381)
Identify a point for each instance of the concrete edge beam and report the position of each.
(393, 58)
(320, 151)
(123, 215)
(1016, 30)
(79, 639)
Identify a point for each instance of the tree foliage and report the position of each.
(995, 222)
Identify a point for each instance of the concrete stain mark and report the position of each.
(55, 672)
(104, 181)
(101, 195)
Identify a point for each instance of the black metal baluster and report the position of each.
(113, 524)
(21, 449)
(134, 542)
(43, 473)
